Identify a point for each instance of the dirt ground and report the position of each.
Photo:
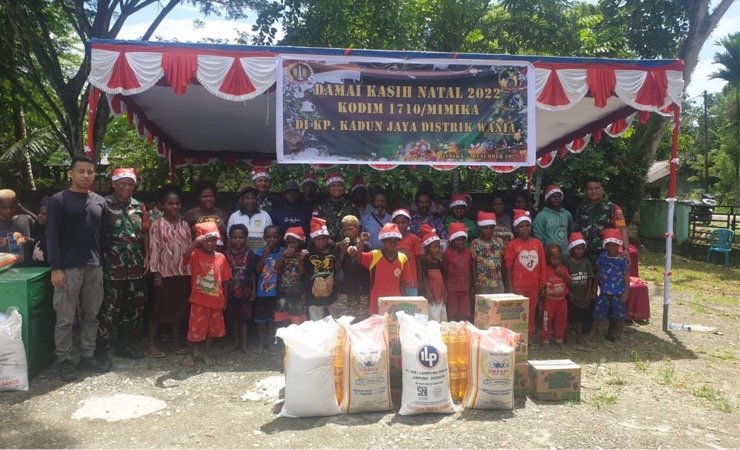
(674, 390)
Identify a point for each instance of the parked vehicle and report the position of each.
(702, 210)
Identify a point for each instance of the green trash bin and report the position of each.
(653, 216)
(29, 290)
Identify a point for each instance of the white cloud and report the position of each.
(183, 30)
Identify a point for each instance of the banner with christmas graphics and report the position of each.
(357, 110)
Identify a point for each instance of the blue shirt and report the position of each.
(267, 279)
(611, 274)
(372, 224)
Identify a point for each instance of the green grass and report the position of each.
(722, 355)
(637, 360)
(714, 396)
(616, 381)
(602, 400)
(668, 374)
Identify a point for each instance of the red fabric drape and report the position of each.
(123, 75)
(179, 69)
(93, 99)
(653, 90)
(236, 81)
(618, 126)
(553, 94)
(601, 84)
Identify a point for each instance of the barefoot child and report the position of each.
(458, 269)
(291, 268)
(432, 274)
(210, 274)
(581, 286)
(612, 270)
(321, 265)
(267, 282)
(488, 256)
(409, 245)
(169, 236)
(241, 292)
(555, 307)
(525, 264)
(389, 268)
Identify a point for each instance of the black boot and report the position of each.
(124, 349)
(100, 362)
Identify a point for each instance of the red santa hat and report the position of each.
(486, 218)
(459, 200)
(358, 183)
(318, 227)
(576, 239)
(208, 229)
(309, 177)
(520, 216)
(401, 212)
(295, 232)
(389, 231)
(552, 190)
(259, 172)
(334, 177)
(428, 235)
(613, 235)
(457, 229)
(123, 172)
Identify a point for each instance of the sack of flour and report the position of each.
(425, 377)
(491, 368)
(367, 382)
(310, 349)
(13, 365)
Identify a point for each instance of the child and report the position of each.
(555, 308)
(38, 233)
(409, 245)
(321, 265)
(168, 237)
(432, 274)
(267, 282)
(15, 229)
(614, 280)
(241, 293)
(353, 296)
(582, 282)
(525, 264)
(488, 255)
(389, 268)
(210, 275)
(458, 269)
(459, 210)
(291, 268)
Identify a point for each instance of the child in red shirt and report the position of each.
(210, 273)
(409, 245)
(525, 264)
(555, 308)
(389, 269)
(458, 268)
(432, 283)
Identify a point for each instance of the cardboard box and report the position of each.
(503, 309)
(521, 379)
(554, 380)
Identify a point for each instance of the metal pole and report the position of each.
(668, 256)
(706, 144)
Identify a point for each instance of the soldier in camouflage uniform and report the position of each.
(336, 206)
(125, 265)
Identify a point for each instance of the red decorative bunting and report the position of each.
(236, 81)
(123, 75)
(601, 84)
(596, 134)
(553, 93)
(179, 69)
(653, 90)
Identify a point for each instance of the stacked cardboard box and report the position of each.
(555, 379)
(390, 306)
(505, 310)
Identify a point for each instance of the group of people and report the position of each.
(284, 259)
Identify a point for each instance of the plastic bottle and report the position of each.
(679, 327)
(338, 366)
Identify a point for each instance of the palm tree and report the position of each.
(730, 72)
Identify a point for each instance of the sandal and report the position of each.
(182, 351)
(155, 353)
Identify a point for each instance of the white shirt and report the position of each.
(256, 224)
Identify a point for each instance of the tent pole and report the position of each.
(671, 199)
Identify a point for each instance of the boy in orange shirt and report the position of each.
(525, 264)
(210, 273)
(409, 245)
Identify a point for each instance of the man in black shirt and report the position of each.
(74, 231)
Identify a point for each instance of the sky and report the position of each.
(179, 25)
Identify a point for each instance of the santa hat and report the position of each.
(123, 172)
(428, 235)
(552, 190)
(259, 172)
(401, 212)
(612, 235)
(459, 200)
(457, 229)
(309, 177)
(334, 177)
(358, 183)
(389, 231)
(486, 218)
(520, 216)
(576, 239)
(295, 232)
(208, 229)
(318, 227)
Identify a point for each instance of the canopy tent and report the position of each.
(200, 102)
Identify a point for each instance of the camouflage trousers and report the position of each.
(122, 310)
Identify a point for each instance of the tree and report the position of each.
(45, 35)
